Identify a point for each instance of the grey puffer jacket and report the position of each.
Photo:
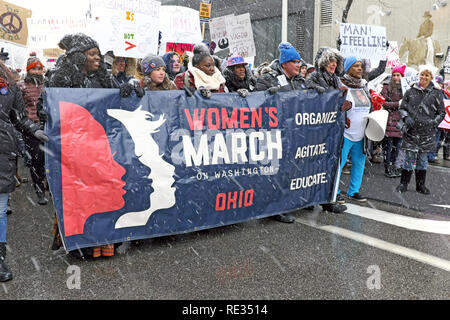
(426, 108)
(12, 114)
(269, 78)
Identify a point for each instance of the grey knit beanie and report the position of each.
(152, 62)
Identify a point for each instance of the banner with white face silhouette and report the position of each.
(121, 169)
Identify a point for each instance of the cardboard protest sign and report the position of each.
(363, 41)
(52, 52)
(47, 31)
(205, 10)
(128, 28)
(445, 124)
(447, 61)
(13, 23)
(408, 81)
(240, 35)
(393, 59)
(218, 32)
(179, 48)
(179, 25)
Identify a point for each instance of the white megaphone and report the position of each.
(377, 125)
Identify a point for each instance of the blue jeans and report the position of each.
(391, 147)
(421, 159)
(3, 207)
(433, 155)
(355, 149)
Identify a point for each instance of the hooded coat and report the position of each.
(392, 105)
(234, 84)
(321, 77)
(31, 89)
(169, 64)
(426, 108)
(12, 115)
(269, 78)
(125, 76)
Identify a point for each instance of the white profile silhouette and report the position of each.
(140, 127)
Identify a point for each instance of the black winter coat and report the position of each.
(426, 108)
(269, 79)
(12, 114)
(234, 84)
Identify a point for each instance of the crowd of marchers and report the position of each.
(412, 137)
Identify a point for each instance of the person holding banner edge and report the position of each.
(329, 63)
(82, 66)
(12, 115)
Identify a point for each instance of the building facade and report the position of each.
(266, 23)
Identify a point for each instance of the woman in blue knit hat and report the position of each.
(355, 142)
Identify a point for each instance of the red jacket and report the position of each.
(180, 82)
(30, 94)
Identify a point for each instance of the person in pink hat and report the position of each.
(392, 92)
(238, 77)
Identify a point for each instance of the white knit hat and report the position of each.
(427, 67)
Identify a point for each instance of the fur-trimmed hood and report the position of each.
(325, 55)
(130, 68)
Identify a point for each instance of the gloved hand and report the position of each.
(320, 89)
(205, 92)
(140, 92)
(273, 90)
(189, 91)
(243, 93)
(346, 106)
(39, 134)
(347, 123)
(409, 121)
(126, 89)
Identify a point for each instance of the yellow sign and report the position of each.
(13, 23)
(205, 10)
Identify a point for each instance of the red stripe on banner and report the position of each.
(91, 178)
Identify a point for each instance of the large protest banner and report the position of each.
(363, 41)
(13, 23)
(127, 168)
(129, 28)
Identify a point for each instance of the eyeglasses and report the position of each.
(295, 61)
